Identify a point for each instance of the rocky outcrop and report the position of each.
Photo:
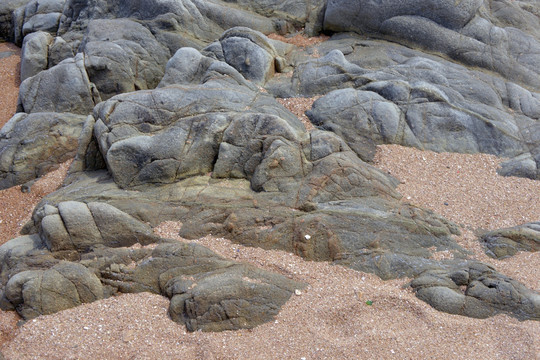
(82, 255)
(173, 107)
(464, 32)
(506, 242)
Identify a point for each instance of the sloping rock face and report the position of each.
(170, 108)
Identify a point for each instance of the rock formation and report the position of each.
(170, 108)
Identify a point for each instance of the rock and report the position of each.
(478, 291)
(33, 144)
(209, 148)
(35, 53)
(7, 8)
(78, 226)
(423, 103)
(122, 56)
(522, 166)
(249, 52)
(189, 66)
(37, 15)
(237, 297)
(461, 32)
(62, 88)
(506, 242)
(330, 72)
(64, 286)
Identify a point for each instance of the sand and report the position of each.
(330, 319)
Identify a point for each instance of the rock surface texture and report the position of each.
(170, 110)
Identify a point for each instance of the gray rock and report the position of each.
(62, 88)
(476, 291)
(35, 54)
(330, 72)
(506, 242)
(122, 56)
(423, 103)
(249, 52)
(522, 166)
(65, 285)
(37, 15)
(7, 7)
(237, 297)
(78, 226)
(33, 144)
(189, 66)
(461, 32)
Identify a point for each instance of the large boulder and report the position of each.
(35, 54)
(248, 51)
(122, 56)
(75, 226)
(207, 291)
(33, 144)
(62, 88)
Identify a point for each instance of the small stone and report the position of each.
(297, 292)
(128, 335)
(307, 237)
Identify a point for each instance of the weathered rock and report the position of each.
(62, 88)
(506, 242)
(207, 148)
(7, 8)
(37, 15)
(35, 54)
(80, 227)
(189, 66)
(476, 290)
(424, 102)
(65, 285)
(237, 297)
(122, 56)
(459, 31)
(249, 52)
(224, 295)
(33, 144)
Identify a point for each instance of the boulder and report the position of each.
(37, 15)
(476, 290)
(62, 88)
(503, 243)
(121, 56)
(7, 8)
(238, 297)
(79, 226)
(249, 52)
(35, 54)
(33, 144)
(65, 285)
